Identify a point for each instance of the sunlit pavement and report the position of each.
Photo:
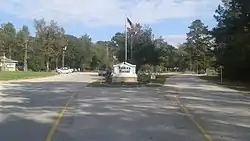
(28, 110)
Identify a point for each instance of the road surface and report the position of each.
(29, 111)
(224, 113)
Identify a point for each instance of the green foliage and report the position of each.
(94, 62)
(146, 69)
(231, 35)
(145, 49)
(144, 78)
(199, 47)
(44, 51)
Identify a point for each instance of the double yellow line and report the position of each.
(58, 120)
(202, 130)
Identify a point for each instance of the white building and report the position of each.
(7, 64)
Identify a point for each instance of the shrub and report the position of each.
(143, 78)
(145, 69)
(108, 76)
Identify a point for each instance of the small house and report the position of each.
(7, 64)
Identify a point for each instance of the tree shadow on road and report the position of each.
(135, 114)
(223, 112)
(28, 110)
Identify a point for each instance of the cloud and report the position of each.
(175, 40)
(97, 13)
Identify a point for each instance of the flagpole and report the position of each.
(131, 46)
(126, 40)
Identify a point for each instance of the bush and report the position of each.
(145, 69)
(108, 76)
(143, 78)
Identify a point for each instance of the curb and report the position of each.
(201, 129)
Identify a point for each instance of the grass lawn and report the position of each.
(4, 75)
(241, 86)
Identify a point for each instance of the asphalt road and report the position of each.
(224, 113)
(30, 108)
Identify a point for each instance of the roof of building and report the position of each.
(125, 63)
(7, 60)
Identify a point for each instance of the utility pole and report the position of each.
(131, 47)
(26, 56)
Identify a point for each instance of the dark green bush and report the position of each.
(108, 76)
(143, 78)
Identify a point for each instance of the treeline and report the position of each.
(44, 51)
(232, 38)
(226, 45)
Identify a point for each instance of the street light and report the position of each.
(64, 49)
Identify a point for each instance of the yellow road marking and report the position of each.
(57, 121)
(202, 130)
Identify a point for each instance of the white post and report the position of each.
(221, 69)
(221, 74)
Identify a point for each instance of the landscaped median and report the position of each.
(19, 75)
(143, 81)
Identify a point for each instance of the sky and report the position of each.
(101, 19)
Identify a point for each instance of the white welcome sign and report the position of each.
(124, 72)
(124, 68)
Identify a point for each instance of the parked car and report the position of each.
(102, 72)
(64, 70)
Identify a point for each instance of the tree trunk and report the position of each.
(9, 53)
(56, 63)
(26, 57)
(47, 66)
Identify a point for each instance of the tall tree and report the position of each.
(22, 45)
(48, 37)
(199, 45)
(232, 38)
(8, 38)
